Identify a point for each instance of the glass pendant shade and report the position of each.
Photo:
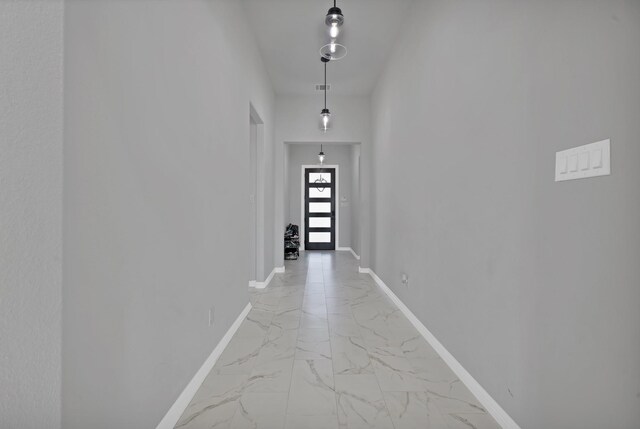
(333, 51)
(321, 157)
(325, 120)
(334, 18)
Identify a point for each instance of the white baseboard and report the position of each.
(264, 284)
(348, 249)
(365, 271)
(173, 415)
(492, 407)
(355, 255)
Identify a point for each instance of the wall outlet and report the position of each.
(405, 280)
(211, 315)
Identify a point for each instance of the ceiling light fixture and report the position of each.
(321, 156)
(325, 115)
(320, 183)
(334, 20)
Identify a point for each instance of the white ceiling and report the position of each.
(291, 32)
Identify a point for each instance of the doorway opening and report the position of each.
(346, 191)
(320, 208)
(318, 224)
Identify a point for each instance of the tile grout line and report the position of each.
(375, 374)
(295, 347)
(333, 368)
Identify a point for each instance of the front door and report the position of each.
(320, 209)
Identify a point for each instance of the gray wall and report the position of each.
(31, 47)
(307, 154)
(355, 199)
(534, 286)
(286, 183)
(156, 198)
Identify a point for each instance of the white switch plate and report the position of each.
(585, 161)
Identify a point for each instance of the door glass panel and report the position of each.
(319, 207)
(319, 237)
(319, 222)
(320, 192)
(319, 177)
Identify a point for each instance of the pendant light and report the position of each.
(321, 156)
(320, 183)
(334, 20)
(325, 115)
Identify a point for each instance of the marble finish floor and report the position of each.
(323, 347)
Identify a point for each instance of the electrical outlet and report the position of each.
(405, 280)
(211, 316)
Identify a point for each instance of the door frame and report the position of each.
(258, 226)
(303, 220)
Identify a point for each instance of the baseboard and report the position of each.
(264, 284)
(348, 249)
(177, 409)
(492, 407)
(365, 271)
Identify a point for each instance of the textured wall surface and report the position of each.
(156, 198)
(31, 60)
(534, 286)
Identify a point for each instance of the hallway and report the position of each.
(463, 176)
(323, 347)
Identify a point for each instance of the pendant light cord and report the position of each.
(325, 85)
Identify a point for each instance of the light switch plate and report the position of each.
(585, 161)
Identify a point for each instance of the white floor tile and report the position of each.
(312, 389)
(324, 348)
